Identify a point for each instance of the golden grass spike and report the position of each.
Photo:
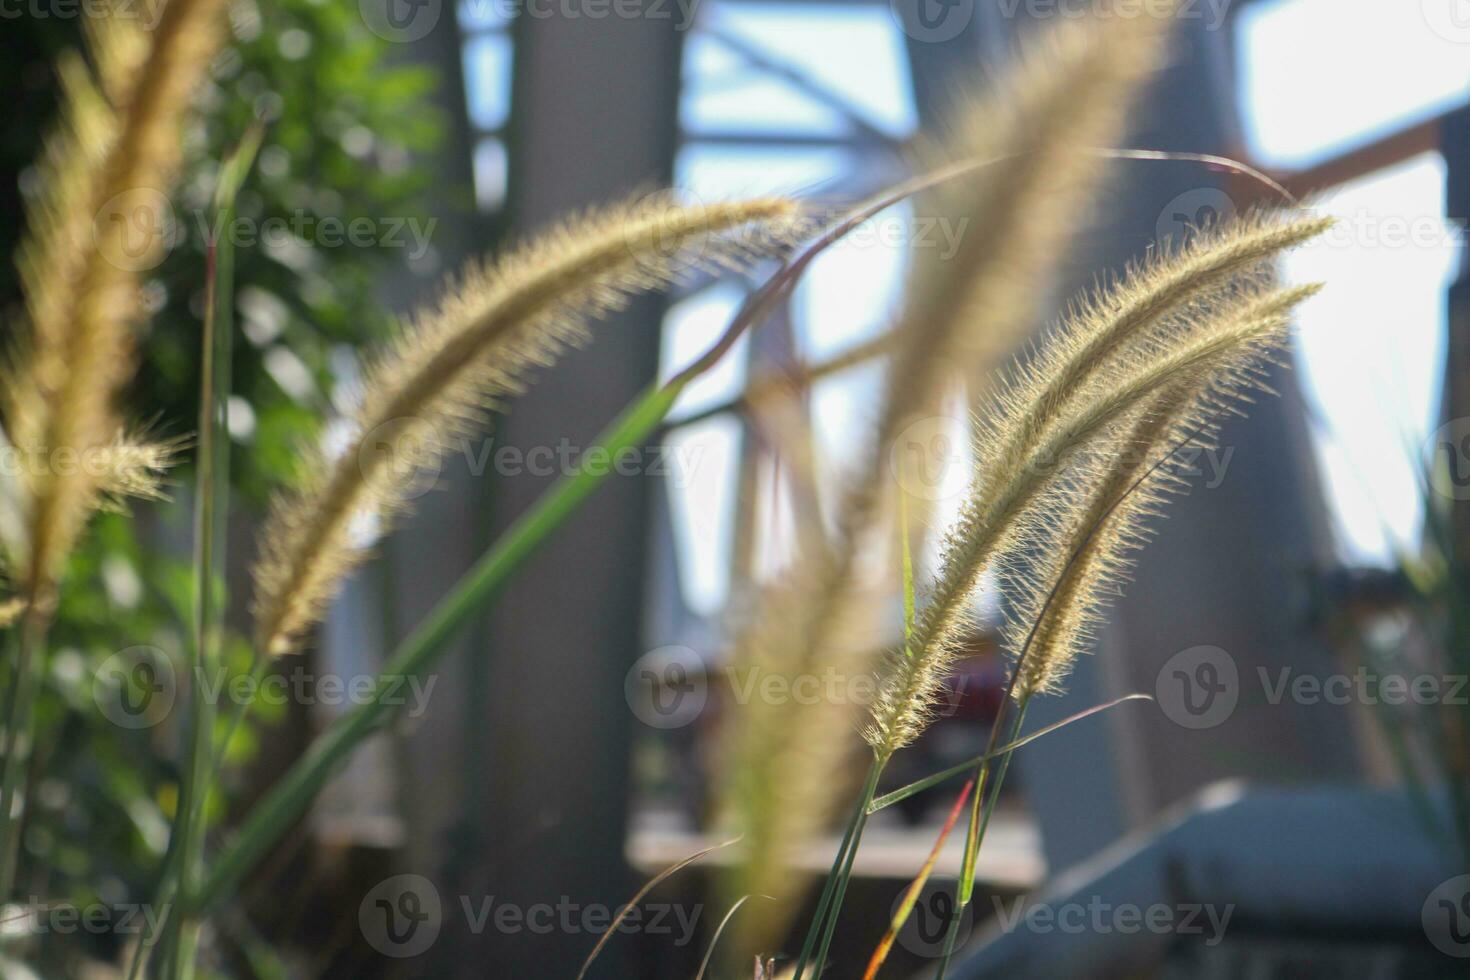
(1068, 93)
(102, 173)
(1139, 308)
(133, 467)
(1222, 353)
(1058, 598)
(1114, 330)
(476, 347)
(1146, 308)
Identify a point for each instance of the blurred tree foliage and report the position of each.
(347, 129)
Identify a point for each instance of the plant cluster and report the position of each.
(1074, 441)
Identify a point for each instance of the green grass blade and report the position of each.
(709, 953)
(288, 800)
(918, 786)
(275, 814)
(211, 516)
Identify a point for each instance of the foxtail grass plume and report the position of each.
(133, 467)
(1084, 562)
(1104, 333)
(477, 346)
(96, 225)
(1068, 92)
(1023, 496)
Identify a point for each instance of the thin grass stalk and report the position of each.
(18, 748)
(274, 814)
(979, 821)
(864, 806)
(639, 895)
(911, 895)
(928, 782)
(840, 892)
(211, 517)
(819, 916)
(709, 953)
(841, 865)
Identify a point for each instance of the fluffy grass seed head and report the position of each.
(1220, 350)
(1082, 561)
(477, 346)
(95, 226)
(1068, 92)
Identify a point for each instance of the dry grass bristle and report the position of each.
(132, 467)
(1058, 596)
(1069, 91)
(1017, 500)
(94, 227)
(477, 346)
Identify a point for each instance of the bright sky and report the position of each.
(1318, 77)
